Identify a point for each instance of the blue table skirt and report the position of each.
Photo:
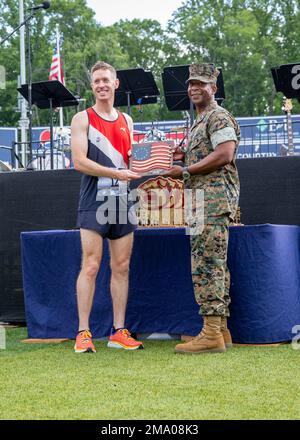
(265, 284)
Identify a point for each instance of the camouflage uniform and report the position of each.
(210, 274)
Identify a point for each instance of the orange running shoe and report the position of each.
(122, 338)
(84, 342)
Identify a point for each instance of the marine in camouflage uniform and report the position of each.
(210, 274)
(206, 170)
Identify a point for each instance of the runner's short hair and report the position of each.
(101, 65)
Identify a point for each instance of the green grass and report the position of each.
(41, 381)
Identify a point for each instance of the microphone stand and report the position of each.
(26, 23)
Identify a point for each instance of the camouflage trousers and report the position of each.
(210, 274)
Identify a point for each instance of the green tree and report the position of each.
(245, 38)
(84, 42)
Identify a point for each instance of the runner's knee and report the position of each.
(91, 267)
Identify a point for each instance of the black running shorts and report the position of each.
(114, 222)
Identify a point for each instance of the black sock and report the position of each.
(116, 329)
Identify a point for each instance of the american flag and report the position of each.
(56, 71)
(151, 156)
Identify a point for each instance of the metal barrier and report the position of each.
(41, 155)
(263, 139)
(257, 140)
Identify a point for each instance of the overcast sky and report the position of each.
(110, 11)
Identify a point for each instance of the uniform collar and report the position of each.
(210, 107)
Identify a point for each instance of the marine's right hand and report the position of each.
(178, 154)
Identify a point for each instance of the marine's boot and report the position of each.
(226, 332)
(210, 340)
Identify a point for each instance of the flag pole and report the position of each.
(61, 114)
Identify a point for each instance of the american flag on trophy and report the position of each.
(152, 157)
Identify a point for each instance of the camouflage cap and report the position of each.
(205, 72)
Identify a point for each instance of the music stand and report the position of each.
(49, 94)
(286, 80)
(175, 89)
(137, 87)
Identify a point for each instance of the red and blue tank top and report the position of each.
(108, 145)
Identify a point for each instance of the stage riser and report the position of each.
(33, 200)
